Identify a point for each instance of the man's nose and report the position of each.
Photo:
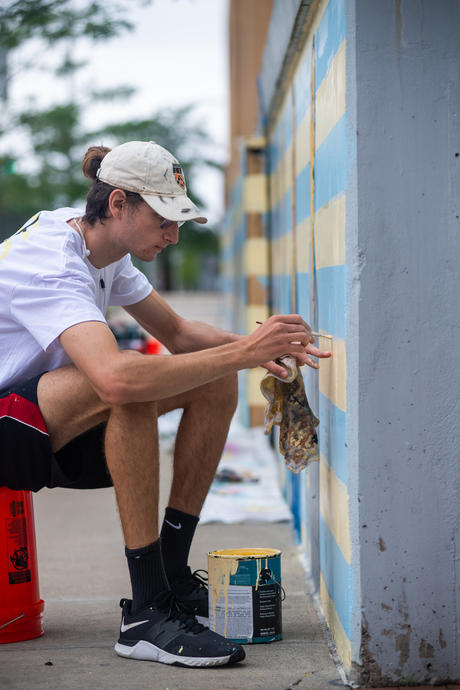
(171, 234)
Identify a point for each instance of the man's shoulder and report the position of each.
(45, 245)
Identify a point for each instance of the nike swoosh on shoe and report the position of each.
(124, 627)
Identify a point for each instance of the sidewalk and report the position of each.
(83, 574)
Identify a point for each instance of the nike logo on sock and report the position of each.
(124, 627)
(175, 526)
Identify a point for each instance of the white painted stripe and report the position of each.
(330, 233)
(255, 255)
(333, 372)
(334, 506)
(303, 246)
(255, 194)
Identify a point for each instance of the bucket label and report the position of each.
(238, 602)
(267, 610)
(18, 552)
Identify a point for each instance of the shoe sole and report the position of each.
(146, 651)
(203, 620)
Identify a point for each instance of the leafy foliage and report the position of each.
(58, 140)
(59, 20)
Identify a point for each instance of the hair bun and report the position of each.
(92, 160)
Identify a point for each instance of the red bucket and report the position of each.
(21, 609)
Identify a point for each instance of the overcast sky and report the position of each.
(176, 55)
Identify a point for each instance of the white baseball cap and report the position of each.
(150, 170)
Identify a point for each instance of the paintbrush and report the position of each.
(318, 335)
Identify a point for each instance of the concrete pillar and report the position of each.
(403, 228)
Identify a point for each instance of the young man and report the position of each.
(77, 412)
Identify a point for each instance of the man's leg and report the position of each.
(131, 445)
(208, 411)
(160, 630)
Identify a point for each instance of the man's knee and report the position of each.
(136, 409)
(223, 394)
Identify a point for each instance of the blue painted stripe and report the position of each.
(302, 89)
(282, 216)
(337, 575)
(332, 434)
(329, 36)
(281, 294)
(331, 164)
(331, 298)
(287, 212)
(275, 148)
(295, 482)
(302, 194)
(277, 220)
(243, 407)
(303, 283)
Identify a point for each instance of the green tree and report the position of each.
(58, 140)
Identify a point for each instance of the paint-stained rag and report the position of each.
(287, 406)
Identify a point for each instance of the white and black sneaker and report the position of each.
(192, 590)
(166, 632)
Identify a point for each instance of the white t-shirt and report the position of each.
(48, 284)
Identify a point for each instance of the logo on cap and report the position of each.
(179, 175)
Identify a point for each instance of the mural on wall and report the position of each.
(302, 219)
(307, 183)
(361, 157)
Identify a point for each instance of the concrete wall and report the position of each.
(405, 287)
(362, 221)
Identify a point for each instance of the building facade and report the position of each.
(346, 210)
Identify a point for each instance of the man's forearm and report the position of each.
(196, 335)
(161, 376)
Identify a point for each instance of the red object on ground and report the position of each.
(152, 347)
(21, 609)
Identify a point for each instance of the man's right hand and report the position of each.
(279, 335)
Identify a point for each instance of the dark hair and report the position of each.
(97, 199)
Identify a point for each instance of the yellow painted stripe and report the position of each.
(255, 194)
(334, 506)
(228, 237)
(303, 249)
(281, 255)
(255, 256)
(330, 233)
(333, 372)
(286, 167)
(255, 376)
(342, 643)
(330, 97)
(254, 313)
(275, 187)
(302, 143)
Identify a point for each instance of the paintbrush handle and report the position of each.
(318, 335)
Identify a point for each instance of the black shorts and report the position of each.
(26, 458)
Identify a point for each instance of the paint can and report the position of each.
(245, 594)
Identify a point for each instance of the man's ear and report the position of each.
(117, 200)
